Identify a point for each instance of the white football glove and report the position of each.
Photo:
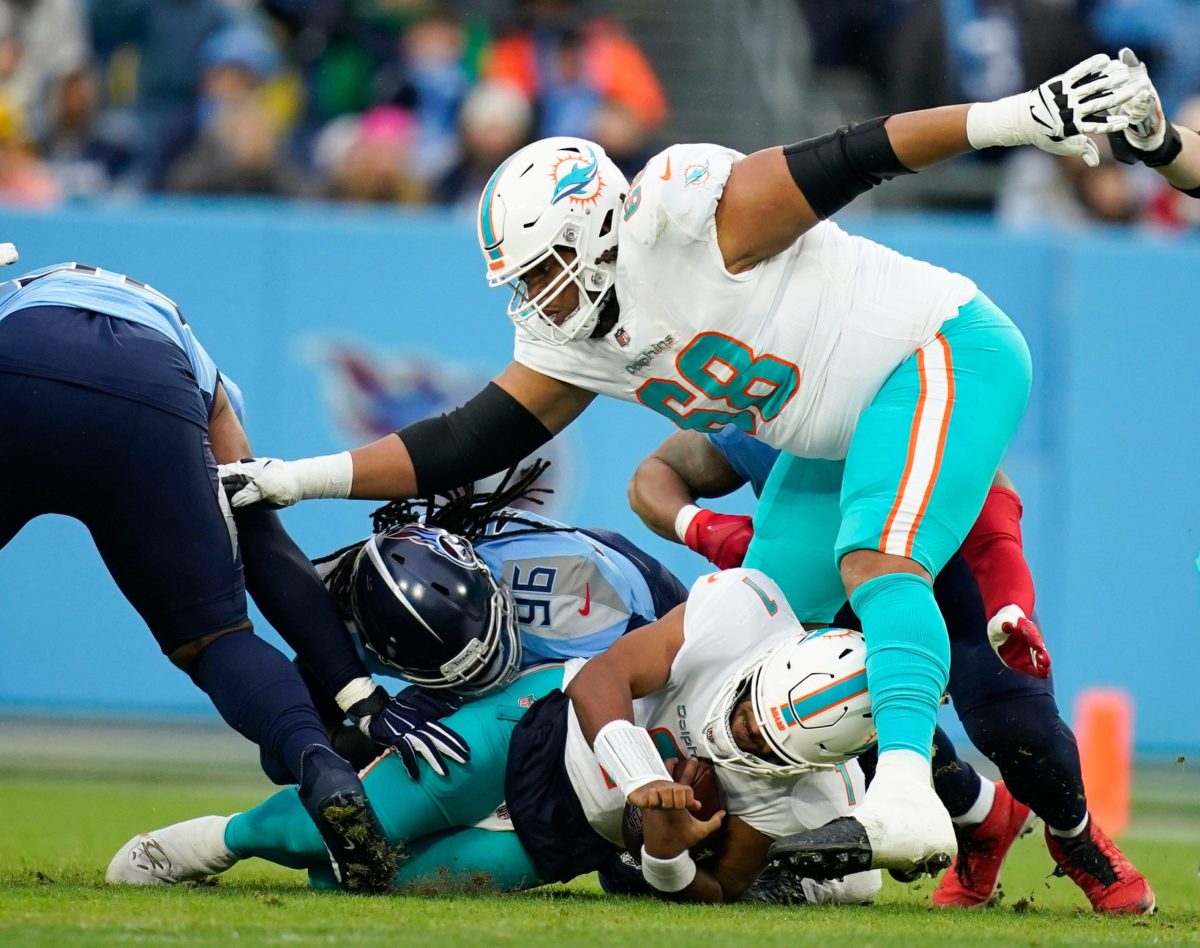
(1059, 114)
(275, 483)
(1147, 124)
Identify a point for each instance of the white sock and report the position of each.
(980, 808)
(1069, 833)
(915, 766)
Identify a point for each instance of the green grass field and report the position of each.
(68, 799)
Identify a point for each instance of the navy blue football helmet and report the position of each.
(427, 606)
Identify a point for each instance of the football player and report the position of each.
(1013, 718)
(562, 750)
(101, 374)
(457, 595)
(714, 290)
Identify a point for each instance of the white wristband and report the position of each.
(328, 476)
(354, 692)
(998, 123)
(668, 875)
(684, 519)
(628, 755)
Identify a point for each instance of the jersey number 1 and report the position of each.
(720, 368)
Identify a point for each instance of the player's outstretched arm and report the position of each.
(773, 196)
(518, 412)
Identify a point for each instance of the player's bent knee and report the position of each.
(861, 566)
(185, 656)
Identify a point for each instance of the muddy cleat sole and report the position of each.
(362, 859)
(333, 795)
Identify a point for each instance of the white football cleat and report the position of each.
(908, 827)
(184, 851)
(901, 825)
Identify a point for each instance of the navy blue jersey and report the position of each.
(79, 324)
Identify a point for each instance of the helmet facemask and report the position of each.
(555, 195)
(488, 660)
(718, 731)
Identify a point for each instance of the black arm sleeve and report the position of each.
(293, 599)
(831, 171)
(490, 433)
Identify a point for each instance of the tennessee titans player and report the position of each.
(983, 592)
(458, 595)
(99, 375)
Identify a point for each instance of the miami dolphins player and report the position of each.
(561, 751)
(714, 290)
(983, 593)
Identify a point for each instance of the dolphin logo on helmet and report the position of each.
(522, 224)
(578, 179)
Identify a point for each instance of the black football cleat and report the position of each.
(333, 795)
(831, 851)
(842, 847)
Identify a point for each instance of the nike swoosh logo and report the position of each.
(713, 577)
(666, 175)
(587, 601)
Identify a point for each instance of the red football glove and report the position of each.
(1018, 642)
(722, 539)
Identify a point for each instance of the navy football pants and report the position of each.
(143, 481)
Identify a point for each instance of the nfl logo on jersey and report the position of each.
(622, 337)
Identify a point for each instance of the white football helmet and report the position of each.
(809, 694)
(556, 193)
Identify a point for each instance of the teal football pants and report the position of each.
(433, 818)
(920, 463)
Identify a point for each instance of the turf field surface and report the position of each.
(70, 796)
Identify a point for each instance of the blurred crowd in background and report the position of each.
(415, 102)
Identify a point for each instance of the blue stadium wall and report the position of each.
(338, 323)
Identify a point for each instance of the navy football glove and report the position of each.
(408, 723)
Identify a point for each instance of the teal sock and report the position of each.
(278, 829)
(908, 658)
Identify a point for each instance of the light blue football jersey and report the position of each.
(113, 294)
(574, 595)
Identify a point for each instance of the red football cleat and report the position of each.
(972, 877)
(1094, 863)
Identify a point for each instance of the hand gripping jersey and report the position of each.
(729, 617)
(791, 351)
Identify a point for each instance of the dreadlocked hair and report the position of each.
(337, 582)
(464, 511)
(473, 514)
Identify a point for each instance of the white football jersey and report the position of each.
(729, 616)
(791, 351)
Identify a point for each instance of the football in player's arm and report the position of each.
(602, 694)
